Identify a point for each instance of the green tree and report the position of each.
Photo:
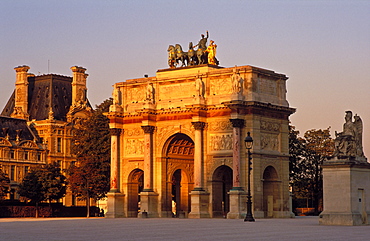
(307, 155)
(89, 177)
(31, 187)
(4, 184)
(53, 182)
(319, 146)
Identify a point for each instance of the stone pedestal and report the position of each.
(149, 205)
(346, 193)
(238, 204)
(115, 205)
(199, 204)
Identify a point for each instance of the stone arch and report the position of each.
(135, 185)
(271, 191)
(178, 154)
(222, 182)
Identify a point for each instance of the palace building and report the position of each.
(50, 105)
(177, 143)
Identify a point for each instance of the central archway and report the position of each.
(178, 153)
(135, 186)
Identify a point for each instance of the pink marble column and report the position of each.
(148, 158)
(198, 155)
(114, 176)
(237, 125)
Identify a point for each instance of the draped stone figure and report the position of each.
(348, 144)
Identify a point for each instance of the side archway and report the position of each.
(222, 182)
(271, 191)
(135, 185)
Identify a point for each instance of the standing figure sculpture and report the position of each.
(349, 142)
(236, 82)
(202, 46)
(211, 50)
(199, 87)
(150, 93)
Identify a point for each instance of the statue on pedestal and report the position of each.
(348, 144)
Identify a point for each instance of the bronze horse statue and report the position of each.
(171, 56)
(192, 57)
(181, 55)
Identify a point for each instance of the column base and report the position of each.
(345, 219)
(149, 205)
(238, 204)
(115, 205)
(199, 204)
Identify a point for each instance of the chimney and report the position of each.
(79, 89)
(21, 92)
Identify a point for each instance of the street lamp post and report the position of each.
(248, 144)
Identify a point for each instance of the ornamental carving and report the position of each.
(148, 129)
(270, 126)
(199, 125)
(134, 132)
(4, 142)
(28, 144)
(115, 131)
(135, 93)
(219, 142)
(220, 86)
(269, 142)
(171, 91)
(134, 147)
(220, 126)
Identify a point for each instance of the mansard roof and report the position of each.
(11, 127)
(45, 93)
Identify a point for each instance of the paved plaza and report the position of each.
(300, 228)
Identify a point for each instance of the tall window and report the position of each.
(11, 154)
(26, 168)
(12, 172)
(26, 155)
(38, 156)
(59, 144)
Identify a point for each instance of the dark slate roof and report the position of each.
(46, 91)
(14, 126)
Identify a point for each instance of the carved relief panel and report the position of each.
(134, 147)
(172, 91)
(220, 86)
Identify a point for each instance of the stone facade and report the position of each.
(20, 150)
(52, 105)
(178, 143)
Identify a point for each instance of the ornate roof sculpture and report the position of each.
(203, 55)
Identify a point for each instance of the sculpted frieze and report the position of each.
(134, 132)
(220, 125)
(176, 91)
(220, 86)
(134, 147)
(270, 126)
(221, 142)
(135, 94)
(269, 142)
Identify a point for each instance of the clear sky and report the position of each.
(323, 46)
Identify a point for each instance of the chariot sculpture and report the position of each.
(203, 55)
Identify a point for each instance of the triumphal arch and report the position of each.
(177, 143)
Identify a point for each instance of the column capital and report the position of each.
(198, 125)
(238, 123)
(115, 131)
(148, 129)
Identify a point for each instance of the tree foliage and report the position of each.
(307, 155)
(43, 183)
(4, 184)
(89, 177)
